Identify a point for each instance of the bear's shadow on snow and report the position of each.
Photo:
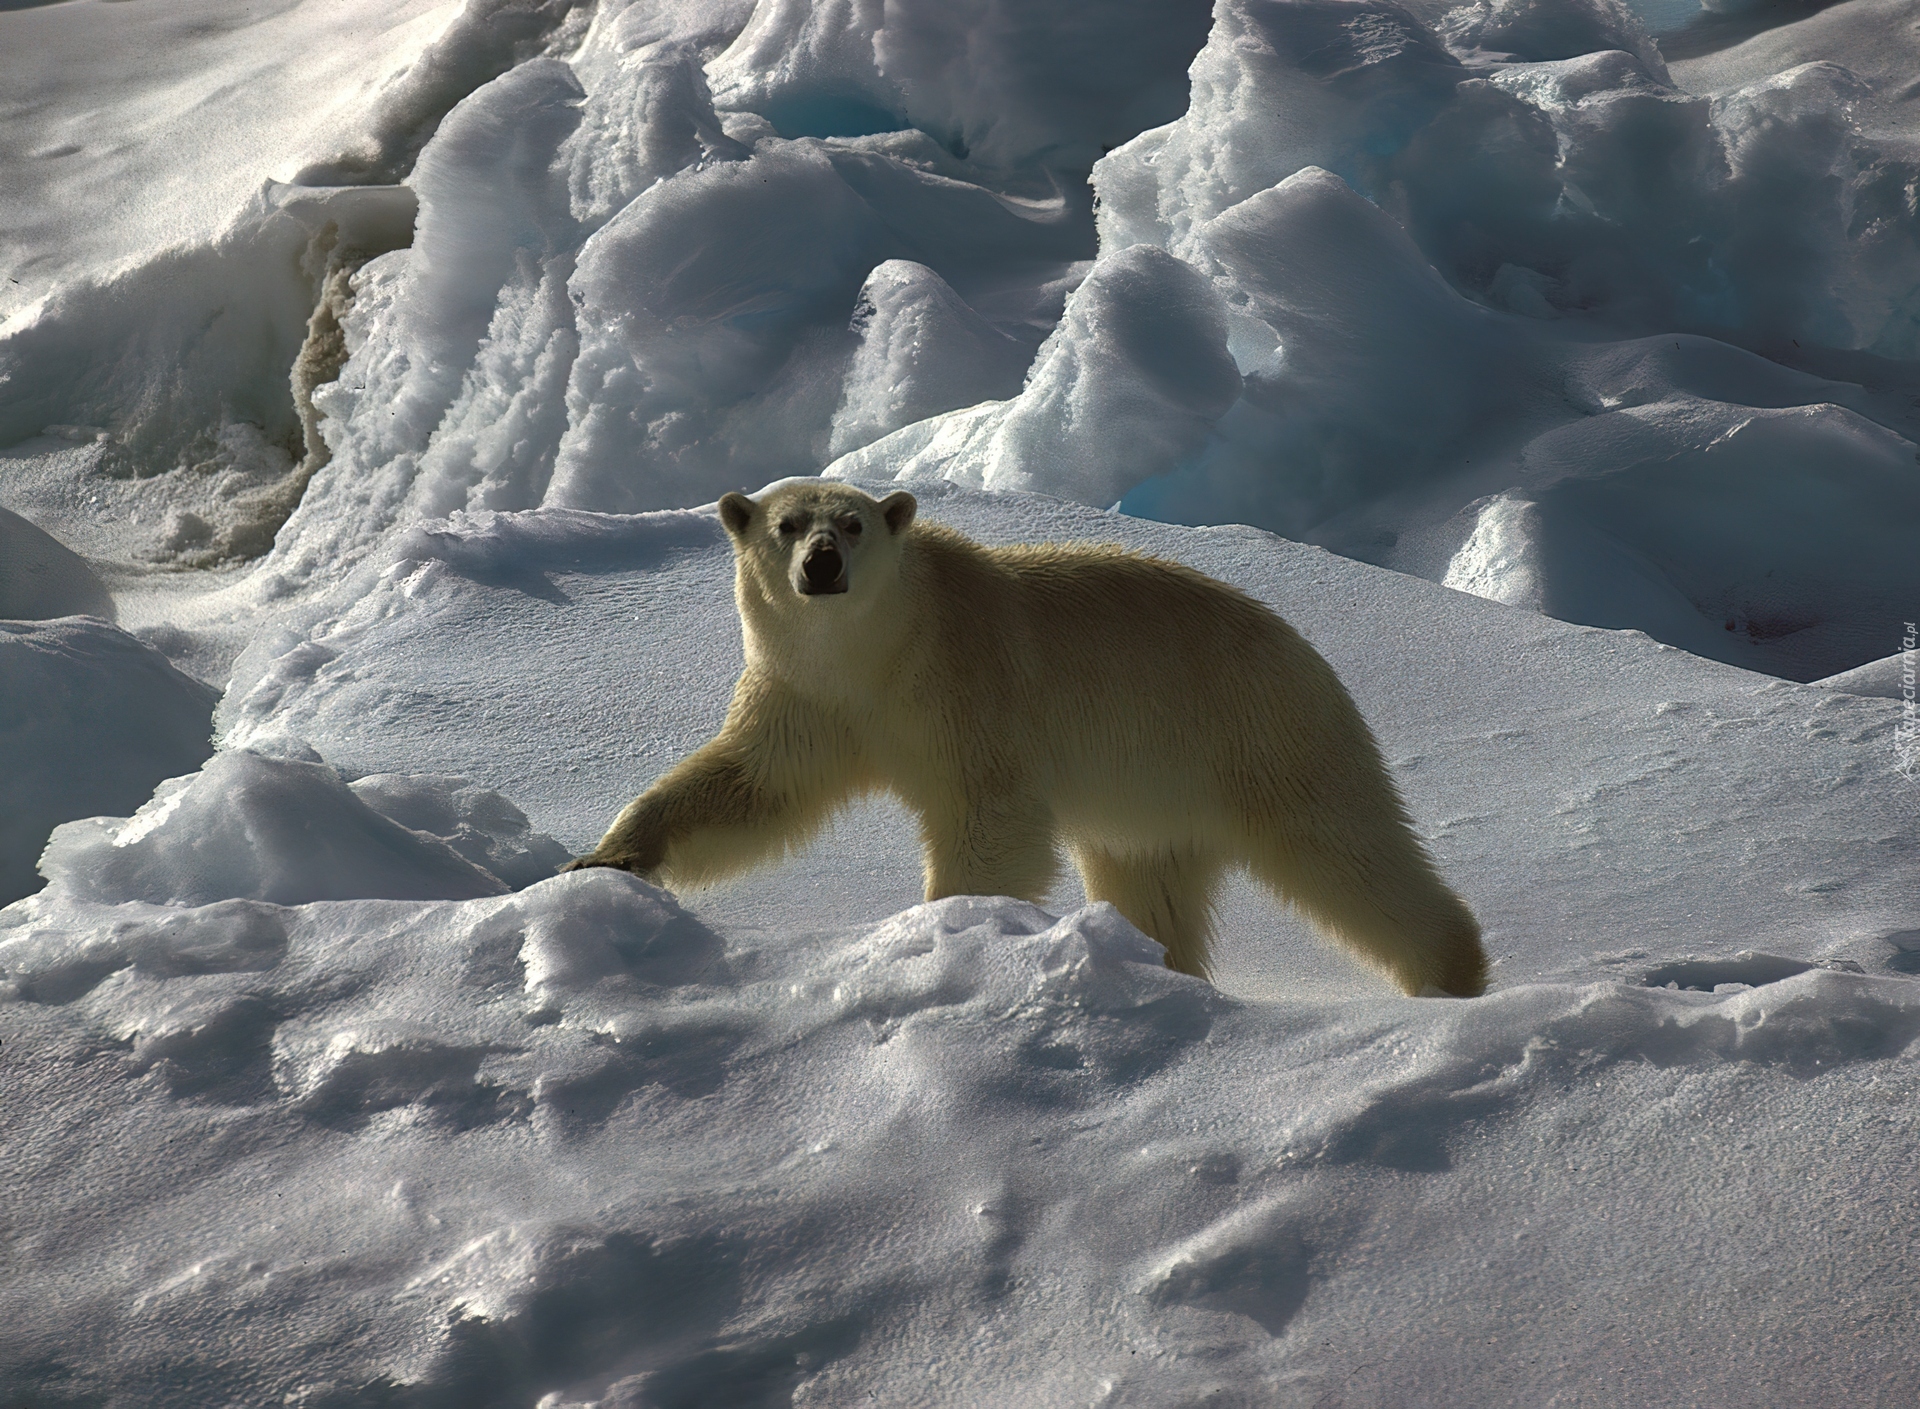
(527, 552)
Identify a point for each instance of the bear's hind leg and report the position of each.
(1167, 894)
(1381, 897)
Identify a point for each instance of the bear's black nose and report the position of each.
(824, 569)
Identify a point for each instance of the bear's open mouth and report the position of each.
(822, 572)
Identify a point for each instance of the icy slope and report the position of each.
(580, 1142)
(135, 128)
(1574, 781)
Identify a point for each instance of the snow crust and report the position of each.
(974, 1153)
(376, 363)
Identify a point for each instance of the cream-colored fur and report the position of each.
(1160, 724)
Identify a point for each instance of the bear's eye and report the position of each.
(851, 528)
(789, 527)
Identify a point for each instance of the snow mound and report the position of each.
(645, 322)
(1558, 173)
(478, 823)
(1775, 545)
(1890, 677)
(1052, 84)
(1674, 485)
(922, 351)
(90, 720)
(1131, 381)
(203, 336)
(40, 577)
(288, 830)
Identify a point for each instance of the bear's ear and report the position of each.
(736, 512)
(897, 510)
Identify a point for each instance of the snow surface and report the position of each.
(376, 362)
(579, 1140)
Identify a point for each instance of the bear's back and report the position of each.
(1141, 619)
(1100, 649)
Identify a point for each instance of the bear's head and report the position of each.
(814, 543)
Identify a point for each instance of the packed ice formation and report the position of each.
(1551, 364)
(664, 252)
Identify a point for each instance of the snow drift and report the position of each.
(90, 720)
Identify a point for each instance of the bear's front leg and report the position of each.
(708, 817)
(759, 788)
(637, 840)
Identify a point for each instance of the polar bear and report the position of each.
(1162, 725)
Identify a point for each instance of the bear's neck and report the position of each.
(835, 651)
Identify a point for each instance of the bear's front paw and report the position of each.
(613, 863)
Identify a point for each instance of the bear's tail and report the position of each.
(1380, 896)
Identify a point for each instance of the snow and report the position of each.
(40, 577)
(1886, 677)
(90, 720)
(1132, 379)
(135, 129)
(1514, 736)
(1551, 364)
(256, 828)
